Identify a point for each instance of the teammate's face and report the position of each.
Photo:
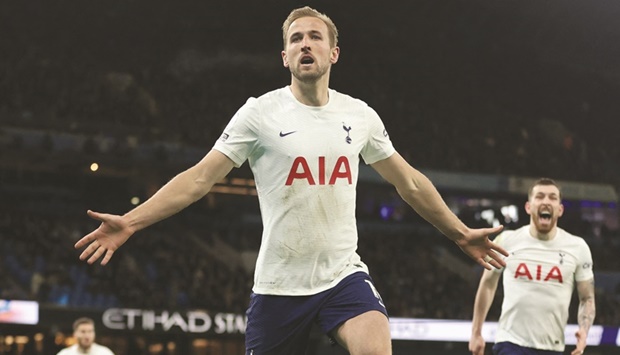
(308, 53)
(544, 207)
(85, 335)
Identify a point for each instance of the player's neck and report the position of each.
(311, 94)
(534, 232)
(82, 350)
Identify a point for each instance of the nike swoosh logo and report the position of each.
(286, 134)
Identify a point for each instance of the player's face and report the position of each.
(545, 207)
(85, 335)
(308, 53)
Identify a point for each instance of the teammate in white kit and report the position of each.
(303, 143)
(84, 334)
(544, 266)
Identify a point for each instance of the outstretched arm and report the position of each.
(484, 299)
(180, 192)
(418, 191)
(585, 314)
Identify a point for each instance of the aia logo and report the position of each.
(300, 170)
(523, 271)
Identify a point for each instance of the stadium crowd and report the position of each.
(187, 263)
(470, 115)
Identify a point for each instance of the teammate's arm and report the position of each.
(183, 190)
(484, 299)
(418, 191)
(585, 313)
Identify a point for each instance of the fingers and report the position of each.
(490, 264)
(89, 237)
(494, 230)
(80, 243)
(107, 257)
(95, 215)
(496, 264)
(496, 260)
(96, 255)
(91, 249)
(484, 264)
(499, 249)
(581, 346)
(492, 260)
(94, 251)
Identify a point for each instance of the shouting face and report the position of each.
(544, 207)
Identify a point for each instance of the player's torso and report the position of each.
(305, 165)
(538, 263)
(539, 275)
(310, 147)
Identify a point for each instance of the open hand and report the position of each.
(103, 241)
(480, 248)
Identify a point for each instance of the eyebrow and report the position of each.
(299, 33)
(549, 194)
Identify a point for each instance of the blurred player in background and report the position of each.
(84, 334)
(544, 266)
(303, 144)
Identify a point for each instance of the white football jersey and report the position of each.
(95, 349)
(538, 281)
(305, 163)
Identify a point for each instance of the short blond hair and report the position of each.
(307, 11)
(544, 181)
(83, 320)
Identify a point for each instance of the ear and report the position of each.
(284, 59)
(561, 210)
(528, 208)
(335, 54)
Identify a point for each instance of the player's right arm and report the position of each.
(180, 192)
(482, 304)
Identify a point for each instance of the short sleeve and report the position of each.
(585, 265)
(241, 134)
(378, 145)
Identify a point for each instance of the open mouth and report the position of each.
(307, 60)
(545, 215)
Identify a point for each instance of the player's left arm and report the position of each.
(420, 193)
(585, 313)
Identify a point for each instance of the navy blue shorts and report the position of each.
(282, 324)
(507, 348)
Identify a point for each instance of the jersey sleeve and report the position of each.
(241, 134)
(585, 263)
(378, 145)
